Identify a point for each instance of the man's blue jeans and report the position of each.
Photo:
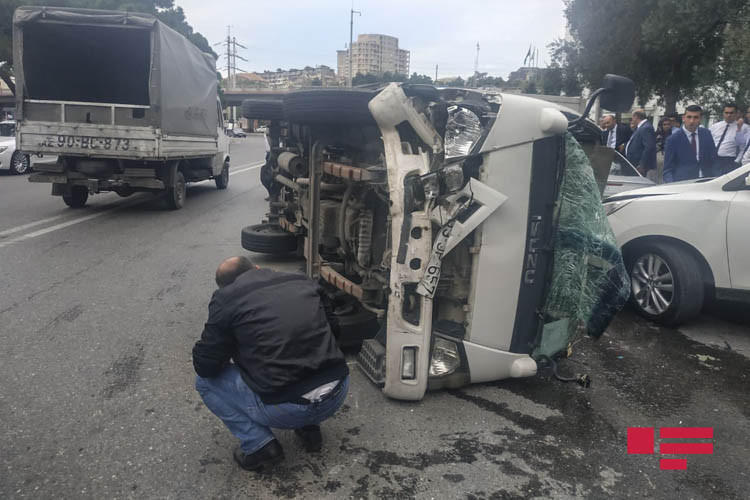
(249, 419)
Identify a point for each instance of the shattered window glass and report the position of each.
(589, 281)
(461, 132)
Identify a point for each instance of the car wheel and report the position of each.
(222, 181)
(176, 194)
(263, 109)
(329, 105)
(268, 238)
(77, 197)
(666, 284)
(19, 163)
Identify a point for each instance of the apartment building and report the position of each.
(373, 54)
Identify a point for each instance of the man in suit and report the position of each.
(640, 150)
(614, 135)
(689, 150)
(725, 134)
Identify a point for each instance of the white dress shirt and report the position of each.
(697, 141)
(612, 137)
(744, 155)
(727, 147)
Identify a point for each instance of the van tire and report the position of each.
(263, 109)
(328, 106)
(77, 197)
(176, 194)
(268, 238)
(222, 180)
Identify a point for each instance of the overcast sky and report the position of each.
(297, 33)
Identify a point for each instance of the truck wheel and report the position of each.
(268, 238)
(19, 163)
(263, 109)
(222, 180)
(329, 105)
(666, 285)
(176, 194)
(77, 197)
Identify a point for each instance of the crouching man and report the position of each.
(287, 372)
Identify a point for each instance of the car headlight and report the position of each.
(614, 206)
(444, 181)
(445, 358)
(3, 148)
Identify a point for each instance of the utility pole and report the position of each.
(476, 67)
(351, 35)
(231, 44)
(436, 68)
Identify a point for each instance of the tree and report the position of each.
(456, 82)
(164, 10)
(316, 82)
(552, 80)
(415, 78)
(483, 80)
(669, 47)
(530, 87)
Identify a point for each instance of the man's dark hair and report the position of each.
(729, 105)
(230, 268)
(674, 115)
(694, 108)
(639, 114)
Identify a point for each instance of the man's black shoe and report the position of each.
(270, 454)
(311, 437)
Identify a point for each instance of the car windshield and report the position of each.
(7, 129)
(621, 166)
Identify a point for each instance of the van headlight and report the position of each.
(445, 358)
(614, 206)
(446, 180)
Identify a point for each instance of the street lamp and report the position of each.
(351, 33)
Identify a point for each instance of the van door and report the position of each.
(222, 142)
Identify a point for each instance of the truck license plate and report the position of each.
(85, 142)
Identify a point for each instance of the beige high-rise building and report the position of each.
(374, 54)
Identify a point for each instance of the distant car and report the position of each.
(262, 129)
(10, 158)
(623, 176)
(238, 132)
(684, 242)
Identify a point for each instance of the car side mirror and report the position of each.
(747, 181)
(618, 93)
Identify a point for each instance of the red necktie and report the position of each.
(692, 142)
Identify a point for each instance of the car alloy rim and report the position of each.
(19, 163)
(653, 284)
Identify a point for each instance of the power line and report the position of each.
(231, 68)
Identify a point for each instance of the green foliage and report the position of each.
(456, 82)
(668, 47)
(530, 87)
(484, 80)
(415, 78)
(164, 10)
(316, 82)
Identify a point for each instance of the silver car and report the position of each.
(624, 177)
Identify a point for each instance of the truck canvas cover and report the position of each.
(86, 55)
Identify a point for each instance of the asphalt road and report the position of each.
(99, 310)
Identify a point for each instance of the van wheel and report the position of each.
(268, 238)
(19, 163)
(263, 109)
(666, 285)
(329, 105)
(176, 194)
(77, 197)
(222, 180)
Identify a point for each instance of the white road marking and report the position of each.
(62, 225)
(27, 226)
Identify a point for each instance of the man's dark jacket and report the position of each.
(622, 134)
(274, 326)
(641, 150)
(679, 160)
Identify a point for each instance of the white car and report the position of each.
(10, 158)
(685, 242)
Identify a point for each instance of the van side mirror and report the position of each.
(747, 181)
(618, 93)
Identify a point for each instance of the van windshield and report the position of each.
(86, 63)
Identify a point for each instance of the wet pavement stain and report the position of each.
(123, 374)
